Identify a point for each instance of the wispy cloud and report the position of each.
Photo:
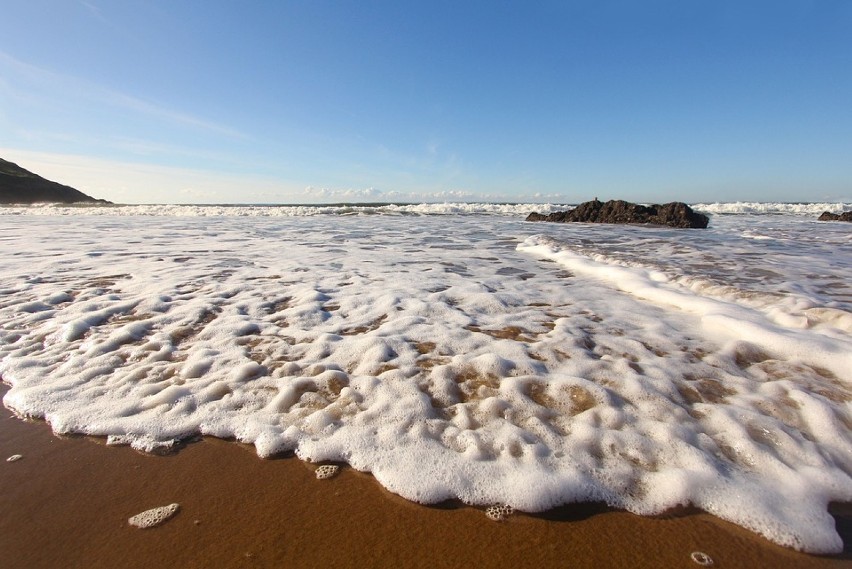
(141, 148)
(432, 162)
(67, 85)
(96, 12)
(144, 107)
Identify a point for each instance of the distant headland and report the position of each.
(20, 186)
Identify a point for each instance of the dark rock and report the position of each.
(828, 216)
(674, 214)
(534, 216)
(22, 186)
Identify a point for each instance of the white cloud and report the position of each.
(314, 194)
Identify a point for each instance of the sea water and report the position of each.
(454, 350)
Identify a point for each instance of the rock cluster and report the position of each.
(20, 186)
(674, 214)
(828, 216)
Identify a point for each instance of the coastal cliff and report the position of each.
(20, 186)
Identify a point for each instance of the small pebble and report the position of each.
(327, 471)
(499, 513)
(154, 516)
(701, 558)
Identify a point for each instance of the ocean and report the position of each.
(456, 351)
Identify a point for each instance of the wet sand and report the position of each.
(67, 501)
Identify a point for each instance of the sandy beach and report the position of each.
(67, 501)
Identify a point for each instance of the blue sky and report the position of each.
(313, 101)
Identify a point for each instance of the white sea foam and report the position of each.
(446, 208)
(721, 315)
(469, 356)
(449, 208)
(809, 209)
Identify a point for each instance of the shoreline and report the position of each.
(67, 501)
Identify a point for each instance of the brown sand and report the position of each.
(67, 501)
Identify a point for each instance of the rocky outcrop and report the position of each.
(674, 214)
(21, 186)
(828, 216)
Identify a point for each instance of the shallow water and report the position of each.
(455, 352)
